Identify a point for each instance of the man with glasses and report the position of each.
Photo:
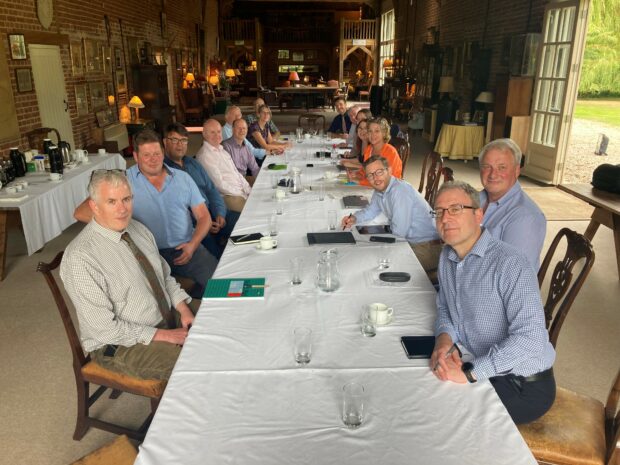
(489, 303)
(223, 220)
(121, 287)
(509, 214)
(406, 210)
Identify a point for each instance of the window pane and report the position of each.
(557, 96)
(567, 18)
(551, 132)
(552, 25)
(548, 57)
(542, 95)
(561, 61)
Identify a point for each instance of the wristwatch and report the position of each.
(467, 367)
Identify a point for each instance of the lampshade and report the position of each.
(446, 84)
(135, 102)
(387, 63)
(254, 64)
(214, 80)
(111, 100)
(485, 97)
(293, 76)
(237, 72)
(230, 73)
(358, 72)
(189, 77)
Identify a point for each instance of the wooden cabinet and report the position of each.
(150, 83)
(513, 98)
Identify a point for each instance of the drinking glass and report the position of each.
(321, 188)
(273, 224)
(331, 220)
(296, 266)
(368, 323)
(279, 207)
(275, 178)
(303, 345)
(352, 405)
(384, 263)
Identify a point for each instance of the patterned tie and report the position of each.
(149, 272)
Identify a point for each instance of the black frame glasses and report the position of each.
(453, 210)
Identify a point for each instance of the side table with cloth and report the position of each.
(459, 142)
(236, 395)
(47, 209)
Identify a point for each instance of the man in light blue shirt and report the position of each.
(509, 214)
(489, 303)
(164, 201)
(406, 210)
(232, 114)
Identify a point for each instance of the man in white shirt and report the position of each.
(220, 167)
(121, 287)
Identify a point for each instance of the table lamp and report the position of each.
(214, 80)
(230, 73)
(294, 78)
(136, 103)
(189, 78)
(486, 99)
(446, 85)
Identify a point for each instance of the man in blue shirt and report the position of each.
(509, 214)
(232, 114)
(223, 220)
(406, 210)
(165, 201)
(489, 303)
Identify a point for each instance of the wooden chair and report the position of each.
(402, 147)
(86, 371)
(577, 430)
(447, 173)
(192, 106)
(310, 121)
(561, 293)
(36, 136)
(431, 174)
(118, 452)
(365, 93)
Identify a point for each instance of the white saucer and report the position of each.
(260, 249)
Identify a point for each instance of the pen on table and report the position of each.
(345, 223)
(452, 349)
(258, 286)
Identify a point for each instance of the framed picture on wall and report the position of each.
(282, 54)
(81, 99)
(93, 60)
(77, 58)
(298, 56)
(24, 79)
(98, 97)
(17, 44)
(121, 81)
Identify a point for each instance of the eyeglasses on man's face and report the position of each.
(378, 173)
(176, 140)
(453, 210)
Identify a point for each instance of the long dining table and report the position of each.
(236, 395)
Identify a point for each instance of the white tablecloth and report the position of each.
(237, 397)
(48, 208)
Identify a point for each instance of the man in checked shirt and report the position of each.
(489, 303)
(121, 319)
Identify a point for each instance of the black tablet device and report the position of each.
(418, 346)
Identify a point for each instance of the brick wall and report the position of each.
(463, 21)
(75, 20)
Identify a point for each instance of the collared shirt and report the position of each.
(213, 199)
(258, 152)
(222, 170)
(517, 220)
(490, 303)
(254, 127)
(167, 213)
(113, 299)
(341, 124)
(352, 135)
(253, 119)
(408, 212)
(241, 156)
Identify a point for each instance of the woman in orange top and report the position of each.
(378, 136)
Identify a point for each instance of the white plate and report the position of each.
(390, 319)
(261, 250)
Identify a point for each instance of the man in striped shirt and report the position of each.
(120, 318)
(489, 303)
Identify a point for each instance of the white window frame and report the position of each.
(386, 43)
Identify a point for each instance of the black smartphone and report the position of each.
(309, 165)
(418, 346)
(246, 238)
(374, 229)
(386, 239)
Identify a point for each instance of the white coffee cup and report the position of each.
(24, 183)
(280, 194)
(11, 190)
(101, 151)
(267, 243)
(56, 176)
(19, 186)
(381, 313)
(307, 136)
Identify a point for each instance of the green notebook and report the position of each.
(235, 288)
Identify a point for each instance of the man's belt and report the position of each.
(547, 374)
